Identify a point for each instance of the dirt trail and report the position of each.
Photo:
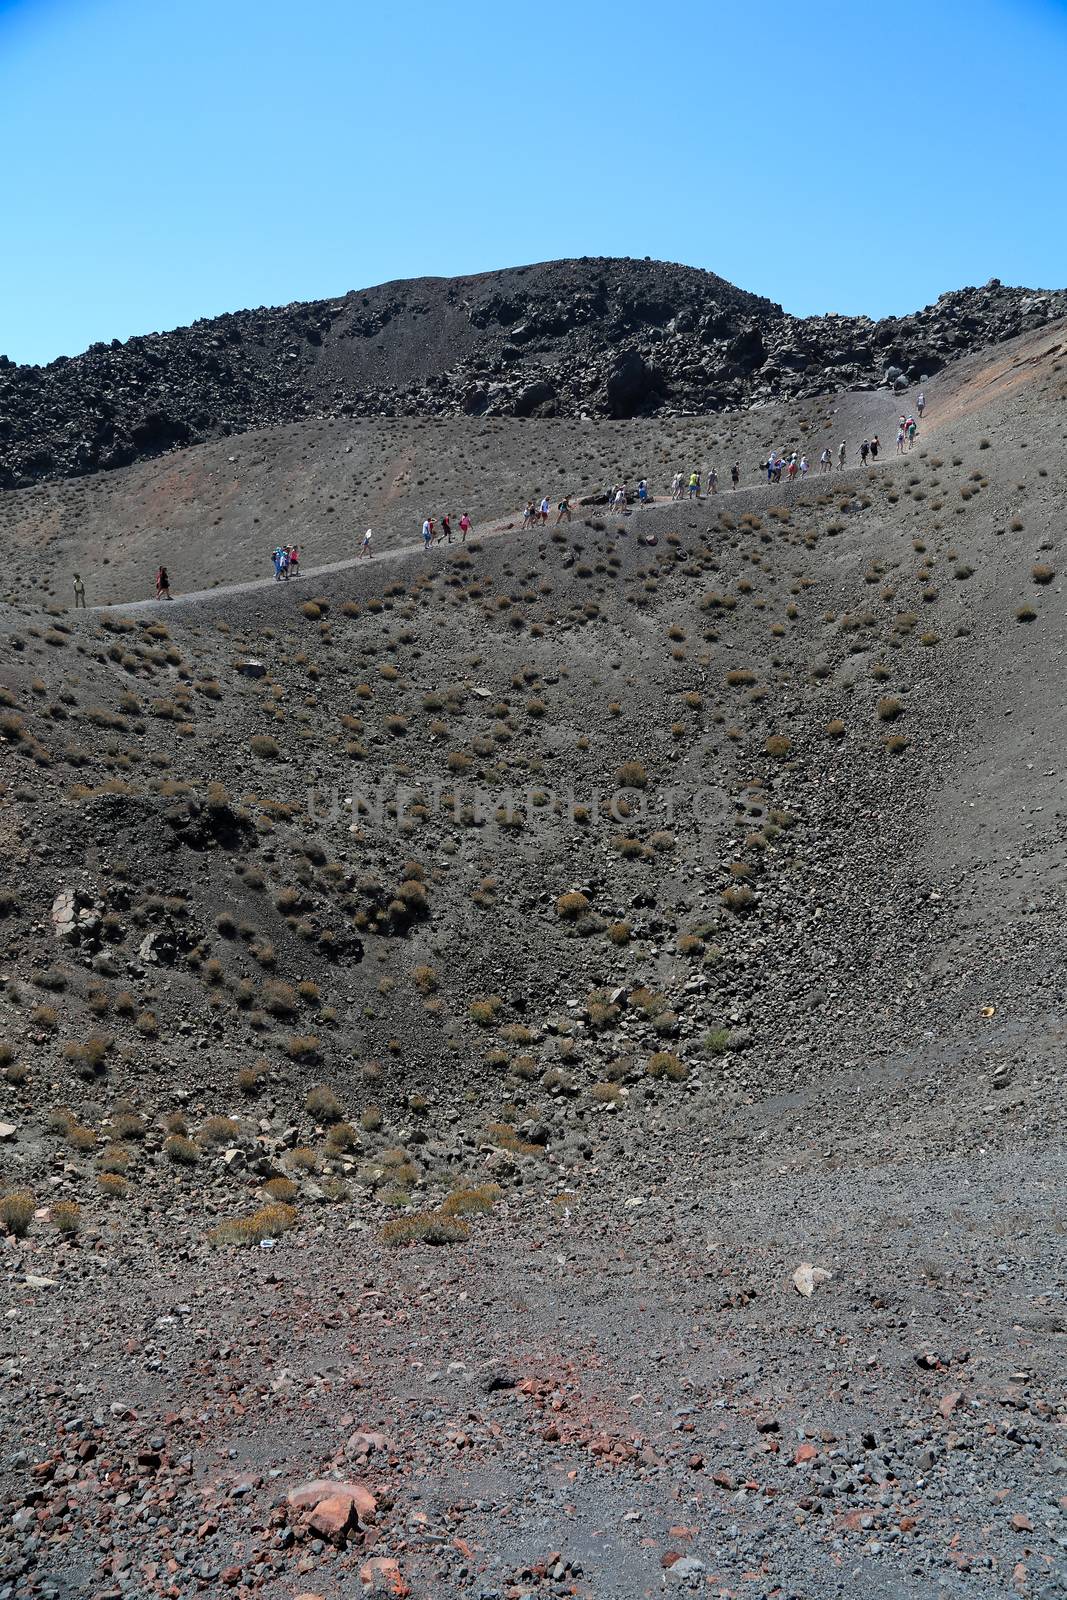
(493, 527)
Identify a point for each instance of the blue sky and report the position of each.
(171, 159)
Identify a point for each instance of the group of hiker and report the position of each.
(434, 532)
(689, 486)
(693, 485)
(535, 513)
(907, 428)
(286, 562)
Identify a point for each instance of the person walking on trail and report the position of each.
(694, 486)
(841, 455)
(791, 470)
(620, 500)
(920, 404)
(735, 474)
(365, 549)
(911, 428)
(79, 592)
(294, 561)
(676, 486)
(900, 440)
(464, 526)
(527, 514)
(163, 584)
(803, 467)
(642, 491)
(446, 530)
(875, 447)
(276, 561)
(427, 533)
(285, 563)
(563, 510)
(544, 511)
(825, 463)
(865, 448)
(713, 482)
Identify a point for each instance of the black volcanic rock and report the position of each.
(601, 336)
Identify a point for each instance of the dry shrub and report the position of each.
(341, 1138)
(181, 1150)
(573, 906)
(281, 1190)
(16, 1212)
(303, 1159)
(112, 1185)
(266, 1223)
(218, 1130)
(484, 1012)
(632, 775)
(66, 1216)
(323, 1105)
(113, 1158)
(664, 1064)
(471, 1202)
(428, 1227)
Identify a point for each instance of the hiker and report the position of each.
(163, 584)
(446, 530)
(803, 467)
(875, 447)
(563, 510)
(920, 404)
(427, 533)
(276, 561)
(841, 456)
(865, 448)
(620, 500)
(642, 491)
(365, 549)
(294, 561)
(911, 429)
(527, 513)
(285, 563)
(464, 526)
(694, 486)
(544, 512)
(676, 486)
(79, 592)
(713, 482)
(900, 440)
(824, 460)
(735, 474)
(791, 470)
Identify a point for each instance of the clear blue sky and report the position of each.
(171, 159)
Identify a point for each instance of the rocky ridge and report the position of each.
(595, 336)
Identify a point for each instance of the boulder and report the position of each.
(629, 384)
